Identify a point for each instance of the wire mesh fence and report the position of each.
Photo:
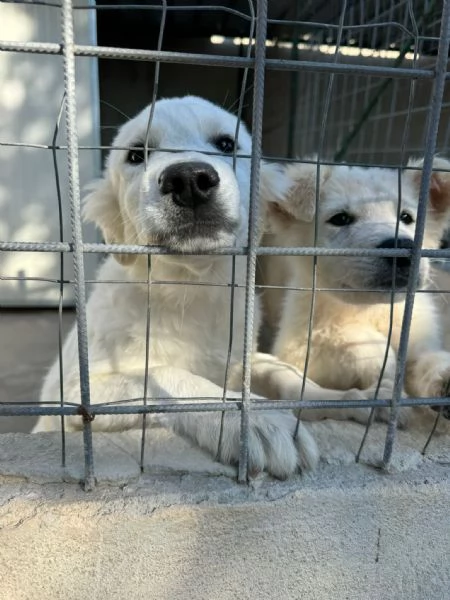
(364, 82)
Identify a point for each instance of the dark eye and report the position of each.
(341, 219)
(225, 144)
(406, 218)
(136, 157)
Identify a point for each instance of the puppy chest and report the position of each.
(192, 337)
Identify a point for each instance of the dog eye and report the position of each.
(406, 218)
(341, 219)
(135, 157)
(225, 144)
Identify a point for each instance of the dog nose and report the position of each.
(402, 262)
(190, 183)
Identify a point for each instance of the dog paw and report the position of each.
(358, 414)
(354, 394)
(271, 444)
(383, 414)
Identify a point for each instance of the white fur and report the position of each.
(189, 324)
(350, 328)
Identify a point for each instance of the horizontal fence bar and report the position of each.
(31, 47)
(206, 405)
(237, 13)
(36, 247)
(227, 10)
(260, 286)
(92, 248)
(269, 159)
(211, 60)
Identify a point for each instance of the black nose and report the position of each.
(190, 183)
(402, 262)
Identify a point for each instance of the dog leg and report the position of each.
(364, 354)
(350, 359)
(104, 388)
(429, 376)
(271, 444)
(278, 380)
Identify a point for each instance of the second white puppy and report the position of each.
(357, 208)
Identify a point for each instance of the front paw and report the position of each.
(271, 444)
(362, 415)
(383, 414)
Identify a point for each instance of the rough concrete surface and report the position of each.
(186, 530)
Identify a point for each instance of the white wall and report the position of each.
(31, 89)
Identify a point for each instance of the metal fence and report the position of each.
(347, 45)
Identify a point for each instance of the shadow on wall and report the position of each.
(30, 100)
(285, 548)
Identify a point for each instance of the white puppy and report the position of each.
(357, 208)
(187, 201)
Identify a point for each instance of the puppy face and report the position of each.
(358, 208)
(183, 199)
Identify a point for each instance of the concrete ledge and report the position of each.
(37, 458)
(193, 537)
(186, 530)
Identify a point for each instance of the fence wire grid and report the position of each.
(371, 78)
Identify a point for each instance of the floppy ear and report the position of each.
(439, 193)
(298, 202)
(101, 206)
(274, 183)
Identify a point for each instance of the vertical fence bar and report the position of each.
(61, 278)
(430, 148)
(322, 137)
(149, 262)
(253, 233)
(412, 91)
(241, 99)
(77, 240)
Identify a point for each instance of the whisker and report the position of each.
(225, 99)
(118, 110)
(232, 108)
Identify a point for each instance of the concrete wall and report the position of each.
(185, 530)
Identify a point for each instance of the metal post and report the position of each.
(253, 233)
(77, 240)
